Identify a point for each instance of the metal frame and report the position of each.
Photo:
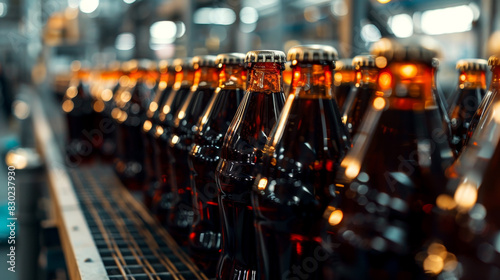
(82, 257)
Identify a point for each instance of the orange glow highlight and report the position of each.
(379, 103)
(335, 217)
(262, 184)
(385, 80)
(408, 71)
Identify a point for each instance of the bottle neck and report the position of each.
(183, 78)
(495, 78)
(366, 76)
(312, 81)
(232, 77)
(206, 77)
(266, 77)
(344, 77)
(408, 86)
(472, 79)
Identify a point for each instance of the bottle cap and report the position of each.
(494, 60)
(416, 49)
(344, 64)
(230, 58)
(204, 60)
(265, 56)
(363, 61)
(472, 64)
(313, 53)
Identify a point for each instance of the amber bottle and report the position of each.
(163, 90)
(302, 155)
(130, 113)
(77, 105)
(241, 153)
(205, 239)
(180, 142)
(466, 99)
(490, 95)
(163, 196)
(362, 93)
(344, 80)
(389, 181)
(469, 209)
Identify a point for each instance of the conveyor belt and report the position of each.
(131, 243)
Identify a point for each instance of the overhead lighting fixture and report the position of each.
(401, 25)
(447, 20)
(3, 9)
(221, 16)
(249, 15)
(125, 41)
(88, 6)
(129, 1)
(162, 33)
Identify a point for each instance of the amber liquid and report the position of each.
(341, 92)
(387, 209)
(356, 108)
(151, 150)
(206, 237)
(241, 152)
(181, 213)
(80, 121)
(462, 110)
(300, 176)
(163, 197)
(130, 140)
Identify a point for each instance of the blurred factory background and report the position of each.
(40, 38)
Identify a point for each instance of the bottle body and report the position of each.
(181, 213)
(389, 184)
(241, 152)
(295, 185)
(206, 235)
(163, 197)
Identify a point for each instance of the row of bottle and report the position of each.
(260, 187)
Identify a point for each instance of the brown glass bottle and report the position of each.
(77, 104)
(389, 181)
(344, 80)
(163, 90)
(130, 113)
(163, 197)
(363, 92)
(180, 142)
(241, 153)
(297, 179)
(110, 85)
(468, 211)
(490, 95)
(466, 99)
(205, 238)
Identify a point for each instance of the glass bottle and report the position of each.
(389, 181)
(181, 212)
(487, 99)
(466, 99)
(163, 90)
(205, 239)
(77, 105)
(241, 153)
(129, 113)
(110, 85)
(362, 93)
(344, 80)
(302, 155)
(183, 81)
(468, 211)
